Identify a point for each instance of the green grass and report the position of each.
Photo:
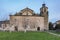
(27, 36)
(57, 32)
(54, 31)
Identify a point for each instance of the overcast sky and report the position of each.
(8, 7)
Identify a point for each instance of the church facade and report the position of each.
(28, 20)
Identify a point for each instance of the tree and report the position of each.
(50, 26)
(57, 26)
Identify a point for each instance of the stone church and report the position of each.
(28, 20)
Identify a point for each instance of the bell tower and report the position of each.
(44, 13)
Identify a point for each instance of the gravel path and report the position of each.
(53, 34)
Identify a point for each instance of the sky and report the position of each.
(8, 7)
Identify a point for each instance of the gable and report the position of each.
(27, 11)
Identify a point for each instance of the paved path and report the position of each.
(53, 34)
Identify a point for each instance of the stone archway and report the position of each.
(16, 28)
(38, 28)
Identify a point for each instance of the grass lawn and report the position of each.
(54, 31)
(27, 36)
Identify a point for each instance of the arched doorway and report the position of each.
(38, 28)
(16, 28)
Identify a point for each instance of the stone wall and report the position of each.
(30, 23)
